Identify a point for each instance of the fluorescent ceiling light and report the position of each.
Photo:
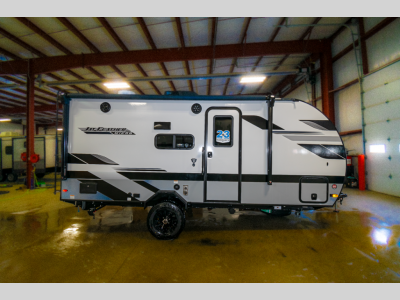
(252, 79)
(59, 129)
(5, 120)
(377, 148)
(117, 85)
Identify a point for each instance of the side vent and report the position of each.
(162, 125)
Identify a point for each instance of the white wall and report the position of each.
(381, 102)
(10, 127)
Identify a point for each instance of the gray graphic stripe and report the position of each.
(299, 138)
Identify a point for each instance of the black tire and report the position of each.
(1, 177)
(278, 213)
(11, 177)
(166, 221)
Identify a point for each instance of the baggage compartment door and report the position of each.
(314, 189)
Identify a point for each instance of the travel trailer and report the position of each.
(181, 151)
(12, 147)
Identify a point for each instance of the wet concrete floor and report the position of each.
(45, 240)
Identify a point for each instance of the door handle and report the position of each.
(209, 154)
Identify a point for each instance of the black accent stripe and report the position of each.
(147, 186)
(321, 151)
(162, 176)
(260, 122)
(141, 169)
(297, 132)
(98, 132)
(222, 177)
(91, 159)
(73, 160)
(337, 149)
(325, 124)
(110, 191)
(81, 174)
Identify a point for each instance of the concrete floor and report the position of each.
(45, 240)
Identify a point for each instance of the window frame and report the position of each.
(231, 134)
(174, 141)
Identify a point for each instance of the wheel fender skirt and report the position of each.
(165, 195)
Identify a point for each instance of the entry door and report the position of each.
(222, 155)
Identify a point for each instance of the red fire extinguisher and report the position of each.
(348, 158)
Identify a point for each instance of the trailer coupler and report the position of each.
(91, 212)
(340, 199)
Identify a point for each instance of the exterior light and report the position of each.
(252, 79)
(377, 148)
(5, 120)
(116, 85)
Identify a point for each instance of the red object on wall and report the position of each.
(361, 172)
(348, 158)
(35, 158)
(23, 156)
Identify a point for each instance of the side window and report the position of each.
(174, 141)
(223, 134)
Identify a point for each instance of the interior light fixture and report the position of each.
(377, 148)
(59, 129)
(5, 120)
(116, 85)
(252, 79)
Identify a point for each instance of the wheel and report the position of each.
(1, 176)
(12, 177)
(165, 221)
(278, 213)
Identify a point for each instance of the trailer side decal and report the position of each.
(105, 130)
(260, 122)
(74, 160)
(320, 124)
(81, 174)
(94, 159)
(147, 186)
(326, 151)
(318, 138)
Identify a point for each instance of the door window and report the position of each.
(223, 131)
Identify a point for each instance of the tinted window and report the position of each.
(174, 141)
(184, 141)
(165, 141)
(223, 135)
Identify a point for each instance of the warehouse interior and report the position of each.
(346, 67)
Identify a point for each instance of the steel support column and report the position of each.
(30, 123)
(328, 104)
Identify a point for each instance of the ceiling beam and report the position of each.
(271, 39)
(121, 44)
(88, 44)
(43, 34)
(21, 43)
(58, 63)
(20, 110)
(153, 46)
(385, 22)
(182, 41)
(234, 62)
(213, 42)
(306, 33)
(40, 32)
(8, 54)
